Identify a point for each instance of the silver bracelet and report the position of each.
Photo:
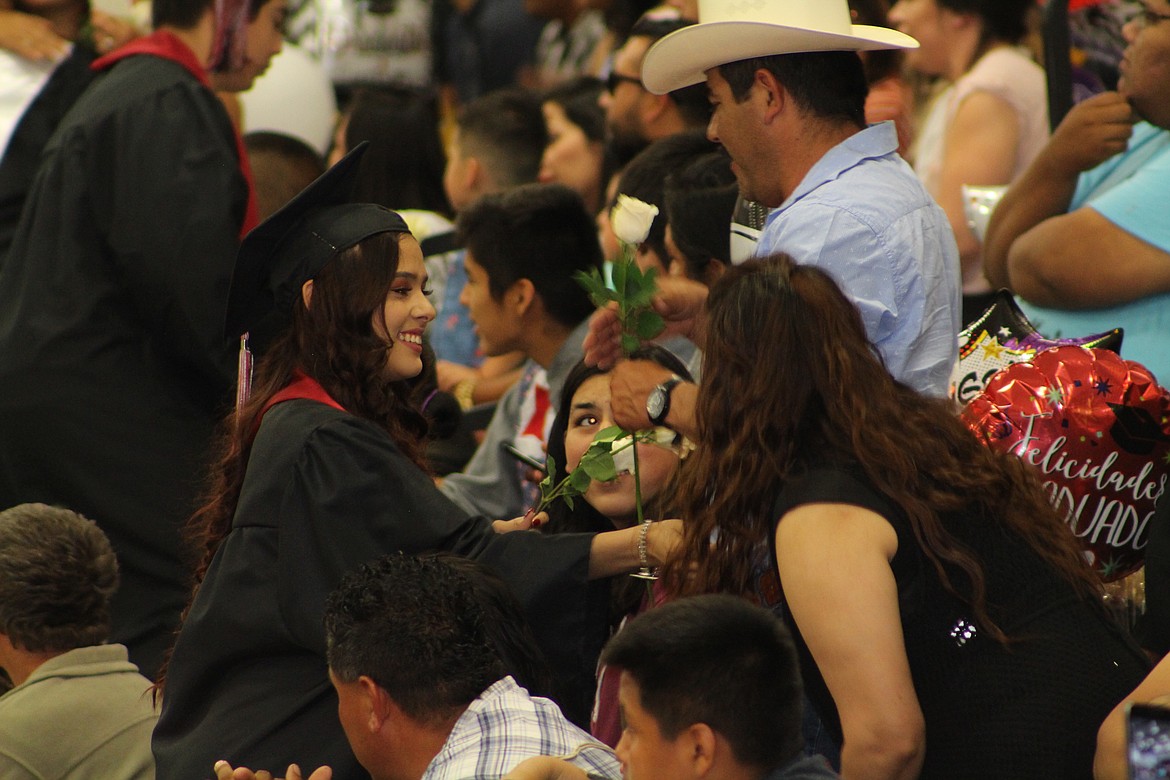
(642, 556)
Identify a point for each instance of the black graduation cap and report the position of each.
(290, 247)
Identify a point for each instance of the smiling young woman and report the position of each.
(320, 470)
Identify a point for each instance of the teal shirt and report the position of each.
(1131, 191)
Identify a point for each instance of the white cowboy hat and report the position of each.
(733, 30)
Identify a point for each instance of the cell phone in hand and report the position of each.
(524, 458)
(1148, 732)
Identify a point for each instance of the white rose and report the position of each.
(623, 462)
(631, 219)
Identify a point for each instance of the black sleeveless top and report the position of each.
(1030, 710)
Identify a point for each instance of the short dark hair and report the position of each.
(57, 574)
(181, 14)
(417, 628)
(829, 84)
(507, 627)
(539, 232)
(719, 660)
(282, 166)
(692, 101)
(1003, 20)
(644, 177)
(505, 130)
(700, 200)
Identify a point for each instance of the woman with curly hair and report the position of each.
(322, 469)
(946, 622)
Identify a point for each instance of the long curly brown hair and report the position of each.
(334, 342)
(789, 378)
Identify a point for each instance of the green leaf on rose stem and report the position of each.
(601, 469)
(550, 465)
(599, 293)
(644, 291)
(612, 433)
(649, 324)
(568, 501)
(630, 343)
(579, 480)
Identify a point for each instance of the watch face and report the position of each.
(655, 402)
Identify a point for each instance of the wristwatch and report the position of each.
(658, 402)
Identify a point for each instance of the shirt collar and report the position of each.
(871, 143)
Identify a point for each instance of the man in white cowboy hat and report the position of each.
(788, 95)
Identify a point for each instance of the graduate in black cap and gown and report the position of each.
(321, 471)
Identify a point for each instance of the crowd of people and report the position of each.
(278, 429)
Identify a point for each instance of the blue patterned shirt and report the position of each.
(504, 726)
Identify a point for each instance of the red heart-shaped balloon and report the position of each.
(1097, 428)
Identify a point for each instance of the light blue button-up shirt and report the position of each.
(863, 216)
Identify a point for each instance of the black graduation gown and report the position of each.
(113, 366)
(32, 132)
(324, 491)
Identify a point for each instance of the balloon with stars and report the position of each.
(1002, 336)
(1097, 428)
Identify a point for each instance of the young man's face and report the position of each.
(643, 752)
(496, 324)
(263, 38)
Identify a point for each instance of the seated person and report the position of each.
(576, 154)
(644, 178)
(710, 688)
(523, 248)
(422, 680)
(583, 411)
(282, 166)
(700, 201)
(1082, 237)
(498, 142)
(79, 708)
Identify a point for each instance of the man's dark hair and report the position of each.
(829, 84)
(645, 176)
(282, 166)
(692, 101)
(505, 130)
(417, 627)
(57, 574)
(718, 660)
(507, 627)
(181, 14)
(539, 232)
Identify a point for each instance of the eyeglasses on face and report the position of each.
(612, 81)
